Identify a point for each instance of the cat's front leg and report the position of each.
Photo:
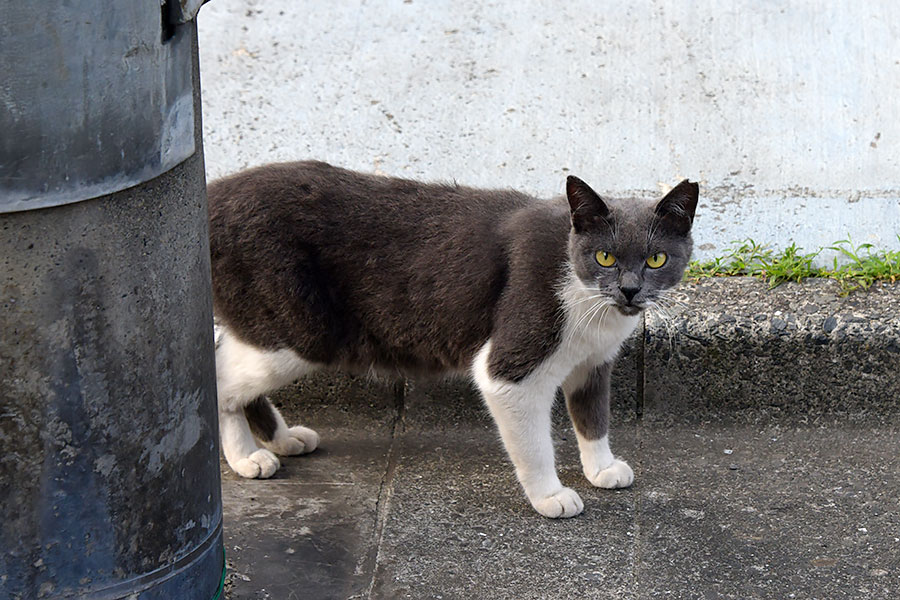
(522, 414)
(587, 398)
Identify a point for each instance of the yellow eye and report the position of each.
(605, 259)
(657, 260)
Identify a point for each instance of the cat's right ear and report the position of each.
(587, 208)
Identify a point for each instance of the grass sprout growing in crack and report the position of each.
(862, 265)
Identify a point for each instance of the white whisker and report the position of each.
(586, 317)
(667, 321)
(573, 303)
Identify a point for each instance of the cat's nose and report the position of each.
(630, 292)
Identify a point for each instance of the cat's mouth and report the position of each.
(629, 310)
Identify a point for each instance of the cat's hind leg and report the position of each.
(587, 397)
(268, 427)
(244, 374)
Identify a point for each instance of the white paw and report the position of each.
(617, 475)
(296, 440)
(262, 464)
(561, 505)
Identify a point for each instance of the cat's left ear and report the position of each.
(678, 206)
(586, 206)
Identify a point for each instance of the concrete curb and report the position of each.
(739, 351)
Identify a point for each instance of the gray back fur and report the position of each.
(366, 272)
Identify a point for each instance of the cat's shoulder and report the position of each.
(541, 225)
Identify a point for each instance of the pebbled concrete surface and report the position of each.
(736, 350)
(788, 513)
(310, 532)
(459, 525)
(783, 484)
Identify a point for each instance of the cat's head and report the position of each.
(630, 251)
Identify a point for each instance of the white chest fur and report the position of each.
(594, 328)
(593, 333)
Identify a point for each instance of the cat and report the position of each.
(316, 266)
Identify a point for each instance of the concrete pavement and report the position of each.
(419, 501)
(764, 469)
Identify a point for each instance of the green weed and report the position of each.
(863, 265)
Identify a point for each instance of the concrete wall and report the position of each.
(786, 112)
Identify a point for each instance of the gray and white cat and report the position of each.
(315, 266)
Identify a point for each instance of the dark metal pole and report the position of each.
(109, 468)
